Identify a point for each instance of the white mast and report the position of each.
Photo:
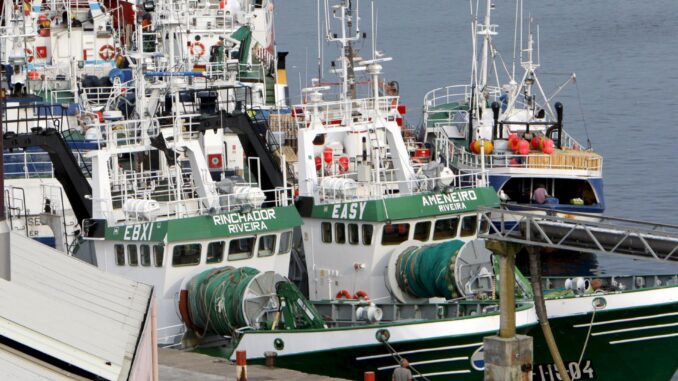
(485, 32)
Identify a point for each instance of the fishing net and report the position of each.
(215, 299)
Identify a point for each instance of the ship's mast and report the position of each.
(344, 13)
(485, 32)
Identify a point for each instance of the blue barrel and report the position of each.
(125, 75)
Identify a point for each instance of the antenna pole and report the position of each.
(5, 265)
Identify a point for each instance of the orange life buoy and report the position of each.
(29, 55)
(107, 52)
(343, 294)
(197, 52)
(361, 295)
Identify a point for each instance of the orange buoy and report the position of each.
(361, 295)
(343, 294)
(523, 147)
(343, 164)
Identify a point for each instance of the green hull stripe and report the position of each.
(411, 206)
(206, 227)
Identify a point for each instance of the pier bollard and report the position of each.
(369, 376)
(270, 358)
(241, 366)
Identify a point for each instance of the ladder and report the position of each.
(581, 232)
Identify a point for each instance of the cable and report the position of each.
(581, 111)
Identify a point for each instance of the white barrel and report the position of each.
(251, 196)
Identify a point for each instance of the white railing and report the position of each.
(29, 165)
(342, 113)
(587, 162)
(456, 94)
(388, 188)
(200, 206)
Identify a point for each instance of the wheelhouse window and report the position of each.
(241, 248)
(186, 255)
(119, 254)
(469, 225)
(266, 245)
(215, 252)
(353, 233)
(422, 230)
(446, 228)
(326, 232)
(285, 243)
(340, 232)
(158, 255)
(395, 234)
(368, 231)
(484, 223)
(145, 252)
(132, 257)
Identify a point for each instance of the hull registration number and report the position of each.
(577, 371)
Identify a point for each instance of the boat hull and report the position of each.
(628, 340)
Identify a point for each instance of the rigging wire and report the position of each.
(581, 111)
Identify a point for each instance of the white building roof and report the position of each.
(72, 311)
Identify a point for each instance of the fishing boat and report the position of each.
(50, 89)
(510, 128)
(154, 214)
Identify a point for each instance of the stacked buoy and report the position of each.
(487, 146)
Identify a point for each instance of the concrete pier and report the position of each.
(177, 365)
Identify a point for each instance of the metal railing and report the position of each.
(539, 227)
(342, 113)
(388, 187)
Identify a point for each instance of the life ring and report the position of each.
(107, 52)
(343, 294)
(361, 295)
(29, 55)
(200, 52)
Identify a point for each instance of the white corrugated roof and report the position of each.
(71, 310)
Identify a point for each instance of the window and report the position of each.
(285, 243)
(132, 257)
(266, 245)
(145, 255)
(215, 252)
(186, 255)
(468, 226)
(326, 232)
(119, 255)
(484, 223)
(158, 255)
(446, 229)
(240, 248)
(340, 232)
(367, 234)
(353, 231)
(422, 230)
(395, 234)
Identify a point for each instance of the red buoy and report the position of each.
(343, 164)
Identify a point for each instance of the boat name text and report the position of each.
(139, 232)
(448, 202)
(353, 210)
(244, 223)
